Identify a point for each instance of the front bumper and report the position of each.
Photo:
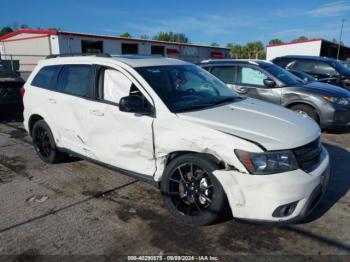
(255, 198)
(335, 117)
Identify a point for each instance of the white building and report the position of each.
(312, 47)
(24, 48)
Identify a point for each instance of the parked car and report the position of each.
(174, 125)
(309, 78)
(10, 88)
(318, 67)
(326, 104)
(346, 63)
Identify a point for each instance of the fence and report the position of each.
(23, 64)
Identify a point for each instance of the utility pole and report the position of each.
(340, 37)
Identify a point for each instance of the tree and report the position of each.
(335, 41)
(275, 41)
(5, 30)
(300, 38)
(215, 44)
(171, 37)
(126, 34)
(144, 36)
(24, 26)
(236, 51)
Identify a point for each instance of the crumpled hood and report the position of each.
(327, 89)
(272, 126)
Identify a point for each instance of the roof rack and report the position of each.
(79, 54)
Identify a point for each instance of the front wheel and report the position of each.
(306, 111)
(191, 192)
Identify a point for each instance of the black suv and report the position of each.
(318, 67)
(10, 88)
(327, 104)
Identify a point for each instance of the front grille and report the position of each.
(308, 156)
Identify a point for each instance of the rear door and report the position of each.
(226, 74)
(74, 88)
(250, 82)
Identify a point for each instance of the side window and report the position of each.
(252, 76)
(306, 66)
(324, 69)
(116, 85)
(46, 77)
(225, 73)
(76, 80)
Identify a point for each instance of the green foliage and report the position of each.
(5, 30)
(171, 37)
(300, 38)
(144, 36)
(215, 44)
(251, 50)
(126, 34)
(275, 41)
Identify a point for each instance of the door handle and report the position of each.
(96, 112)
(241, 89)
(52, 101)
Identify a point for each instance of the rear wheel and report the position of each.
(306, 111)
(44, 143)
(191, 192)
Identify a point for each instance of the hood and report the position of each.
(327, 89)
(274, 127)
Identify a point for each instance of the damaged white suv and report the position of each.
(173, 124)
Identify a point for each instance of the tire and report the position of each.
(197, 197)
(307, 110)
(44, 143)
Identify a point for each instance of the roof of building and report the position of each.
(304, 41)
(131, 60)
(41, 32)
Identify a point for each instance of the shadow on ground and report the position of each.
(11, 114)
(340, 181)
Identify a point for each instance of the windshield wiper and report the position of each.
(228, 99)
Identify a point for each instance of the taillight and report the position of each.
(22, 91)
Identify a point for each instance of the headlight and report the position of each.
(345, 101)
(267, 162)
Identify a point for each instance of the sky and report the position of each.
(203, 21)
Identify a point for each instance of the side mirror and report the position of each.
(269, 82)
(134, 104)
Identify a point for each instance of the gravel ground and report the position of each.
(78, 208)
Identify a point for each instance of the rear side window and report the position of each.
(76, 80)
(224, 73)
(46, 77)
(306, 66)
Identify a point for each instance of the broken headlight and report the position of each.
(268, 162)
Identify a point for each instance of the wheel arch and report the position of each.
(32, 120)
(294, 103)
(171, 156)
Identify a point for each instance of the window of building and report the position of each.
(76, 80)
(157, 50)
(46, 77)
(130, 49)
(88, 46)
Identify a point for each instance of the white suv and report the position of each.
(173, 124)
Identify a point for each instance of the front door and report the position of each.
(120, 139)
(250, 82)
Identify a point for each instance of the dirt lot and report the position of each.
(78, 208)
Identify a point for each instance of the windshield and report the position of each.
(283, 75)
(186, 87)
(304, 76)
